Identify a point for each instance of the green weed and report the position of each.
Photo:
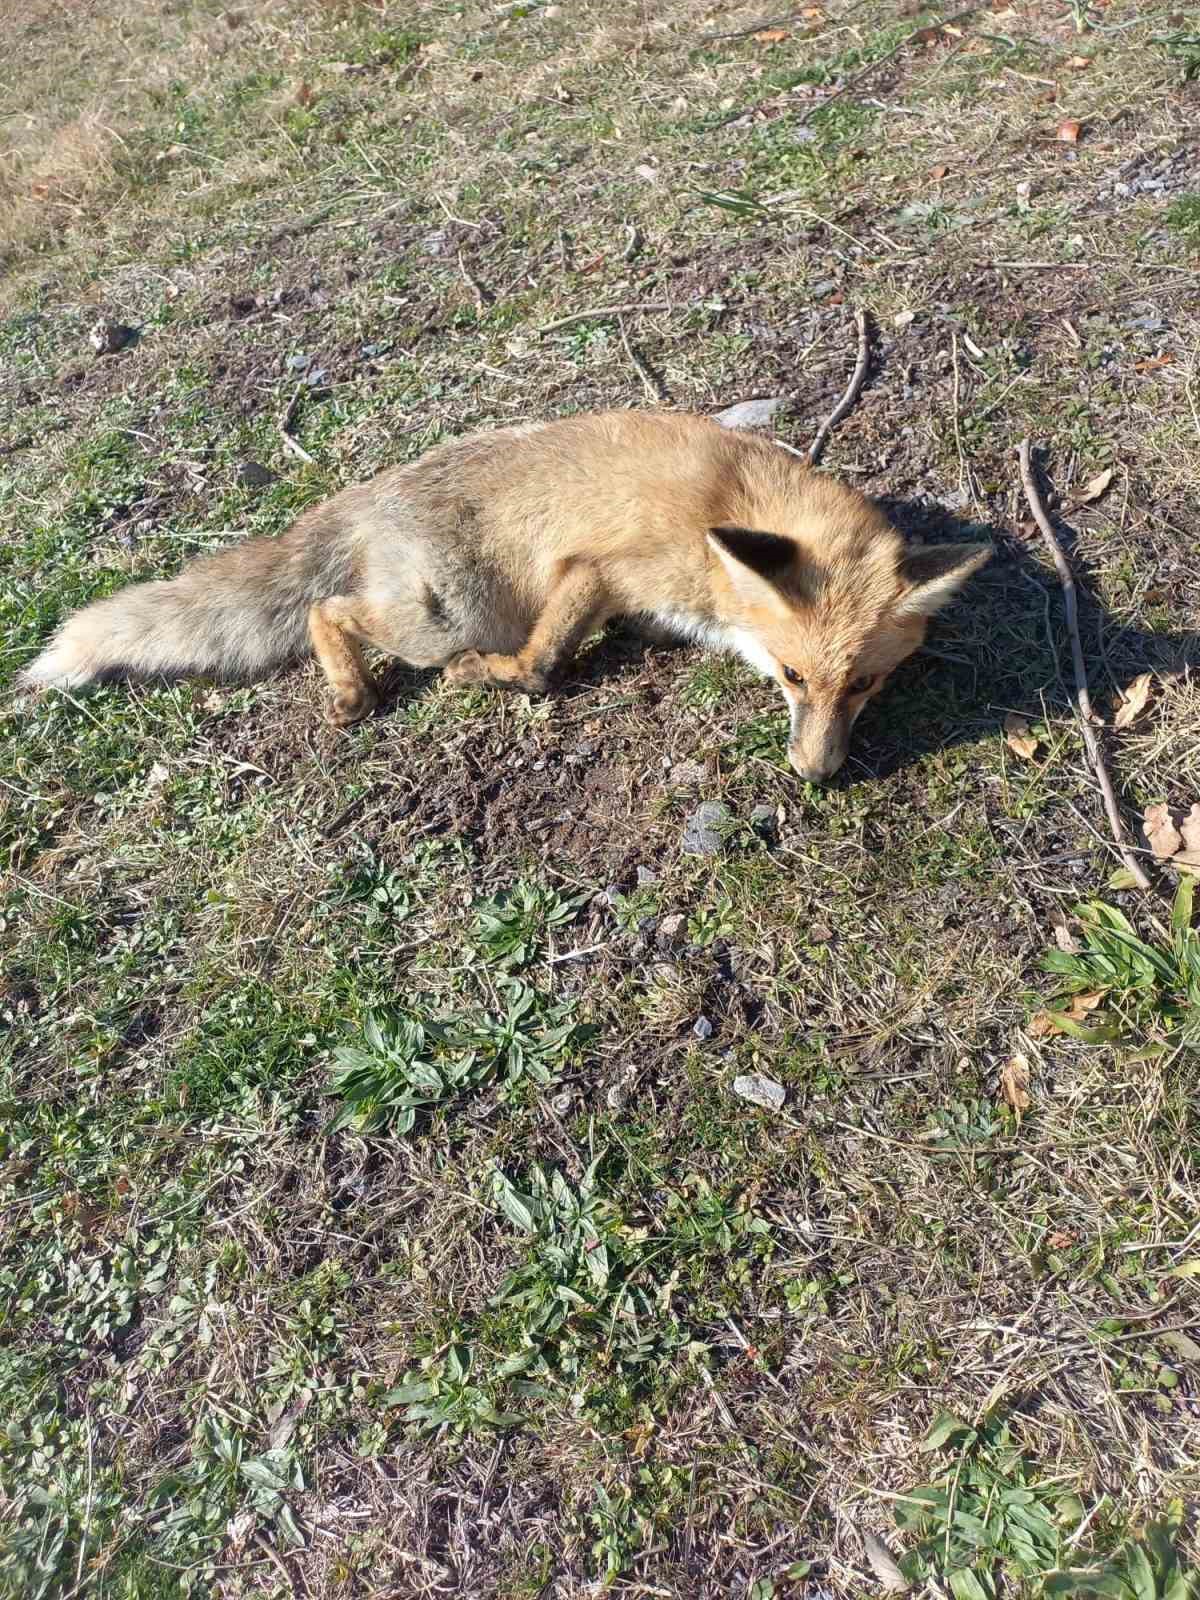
(413, 1064)
(1136, 991)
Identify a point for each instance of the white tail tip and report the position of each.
(55, 668)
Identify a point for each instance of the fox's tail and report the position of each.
(236, 613)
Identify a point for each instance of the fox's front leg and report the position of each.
(576, 606)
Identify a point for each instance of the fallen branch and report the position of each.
(603, 311)
(852, 393)
(655, 388)
(291, 445)
(873, 66)
(1082, 697)
(754, 27)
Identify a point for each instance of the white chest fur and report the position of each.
(715, 636)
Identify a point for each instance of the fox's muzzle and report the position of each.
(818, 744)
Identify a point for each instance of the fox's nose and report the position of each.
(809, 771)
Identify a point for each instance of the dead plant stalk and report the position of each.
(1082, 697)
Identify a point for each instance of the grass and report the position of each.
(378, 1213)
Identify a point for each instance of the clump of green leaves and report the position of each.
(1183, 215)
(586, 1284)
(445, 1398)
(407, 1064)
(1135, 991)
(1142, 1569)
(985, 1515)
(512, 929)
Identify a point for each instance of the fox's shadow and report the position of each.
(1004, 646)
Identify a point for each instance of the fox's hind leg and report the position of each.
(577, 605)
(413, 626)
(336, 630)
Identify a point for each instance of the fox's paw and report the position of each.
(351, 705)
(466, 667)
(502, 672)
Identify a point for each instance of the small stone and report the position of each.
(253, 475)
(764, 821)
(613, 893)
(614, 1096)
(672, 930)
(561, 1103)
(434, 243)
(106, 338)
(646, 878)
(298, 362)
(750, 413)
(760, 1091)
(702, 834)
(687, 774)
(702, 1028)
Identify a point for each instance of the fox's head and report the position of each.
(831, 619)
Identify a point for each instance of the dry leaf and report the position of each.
(1068, 131)
(883, 1563)
(1079, 63)
(903, 319)
(1133, 700)
(813, 14)
(1014, 1084)
(1163, 837)
(304, 95)
(1081, 1004)
(1045, 1024)
(1154, 363)
(1063, 937)
(1019, 736)
(1190, 829)
(1060, 1240)
(938, 171)
(1094, 488)
(771, 36)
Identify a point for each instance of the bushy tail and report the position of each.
(236, 614)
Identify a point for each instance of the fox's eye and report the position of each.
(861, 685)
(793, 676)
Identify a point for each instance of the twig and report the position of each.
(851, 394)
(291, 445)
(604, 311)
(755, 27)
(873, 66)
(962, 465)
(1083, 699)
(655, 388)
(280, 1565)
(483, 297)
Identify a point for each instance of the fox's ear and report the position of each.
(754, 562)
(934, 573)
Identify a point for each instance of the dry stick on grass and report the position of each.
(874, 66)
(604, 311)
(292, 446)
(851, 395)
(655, 388)
(1083, 699)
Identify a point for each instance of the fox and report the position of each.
(495, 555)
